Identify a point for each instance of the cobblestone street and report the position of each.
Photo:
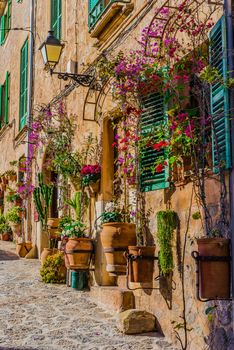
(34, 315)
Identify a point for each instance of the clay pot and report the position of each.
(78, 252)
(5, 236)
(115, 239)
(94, 187)
(53, 224)
(141, 269)
(22, 249)
(47, 252)
(214, 275)
(16, 230)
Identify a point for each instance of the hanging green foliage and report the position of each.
(166, 224)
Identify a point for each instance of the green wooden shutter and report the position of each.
(1, 102)
(8, 17)
(96, 8)
(2, 34)
(154, 114)
(56, 17)
(219, 98)
(23, 84)
(6, 100)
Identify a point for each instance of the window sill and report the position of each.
(112, 17)
(3, 4)
(3, 130)
(21, 135)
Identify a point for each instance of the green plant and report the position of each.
(53, 269)
(42, 196)
(13, 197)
(5, 228)
(13, 215)
(111, 216)
(196, 215)
(75, 203)
(166, 224)
(74, 229)
(2, 219)
(63, 221)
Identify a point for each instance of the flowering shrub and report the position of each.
(74, 229)
(90, 173)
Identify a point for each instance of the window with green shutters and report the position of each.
(4, 102)
(219, 98)
(56, 17)
(154, 114)
(5, 23)
(23, 84)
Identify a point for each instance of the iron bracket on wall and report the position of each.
(197, 257)
(132, 257)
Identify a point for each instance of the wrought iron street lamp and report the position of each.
(51, 50)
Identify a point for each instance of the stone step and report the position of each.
(113, 298)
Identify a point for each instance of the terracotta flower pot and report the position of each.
(115, 239)
(53, 227)
(22, 249)
(78, 252)
(214, 275)
(47, 252)
(94, 187)
(6, 236)
(141, 269)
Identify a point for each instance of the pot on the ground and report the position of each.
(141, 266)
(78, 253)
(47, 252)
(214, 276)
(115, 239)
(5, 236)
(22, 249)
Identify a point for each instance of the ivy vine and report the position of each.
(166, 224)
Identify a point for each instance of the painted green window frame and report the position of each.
(56, 18)
(4, 101)
(97, 8)
(154, 114)
(219, 98)
(23, 107)
(5, 23)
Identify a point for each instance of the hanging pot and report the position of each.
(115, 239)
(78, 253)
(94, 187)
(141, 265)
(214, 276)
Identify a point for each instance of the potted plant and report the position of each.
(5, 232)
(116, 236)
(79, 247)
(14, 219)
(90, 177)
(53, 269)
(42, 196)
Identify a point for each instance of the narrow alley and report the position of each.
(34, 315)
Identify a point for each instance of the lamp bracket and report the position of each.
(82, 79)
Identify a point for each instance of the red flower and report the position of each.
(159, 168)
(114, 144)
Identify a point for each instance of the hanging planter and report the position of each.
(115, 239)
(53, 227)
(94, 187)
(141, 263)
(213, 259)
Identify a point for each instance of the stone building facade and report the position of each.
(86, 36)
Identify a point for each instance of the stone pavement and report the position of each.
(34, 315)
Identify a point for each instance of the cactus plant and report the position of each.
(42, 196)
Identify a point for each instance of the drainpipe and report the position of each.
(29, 106)
(229, 26)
